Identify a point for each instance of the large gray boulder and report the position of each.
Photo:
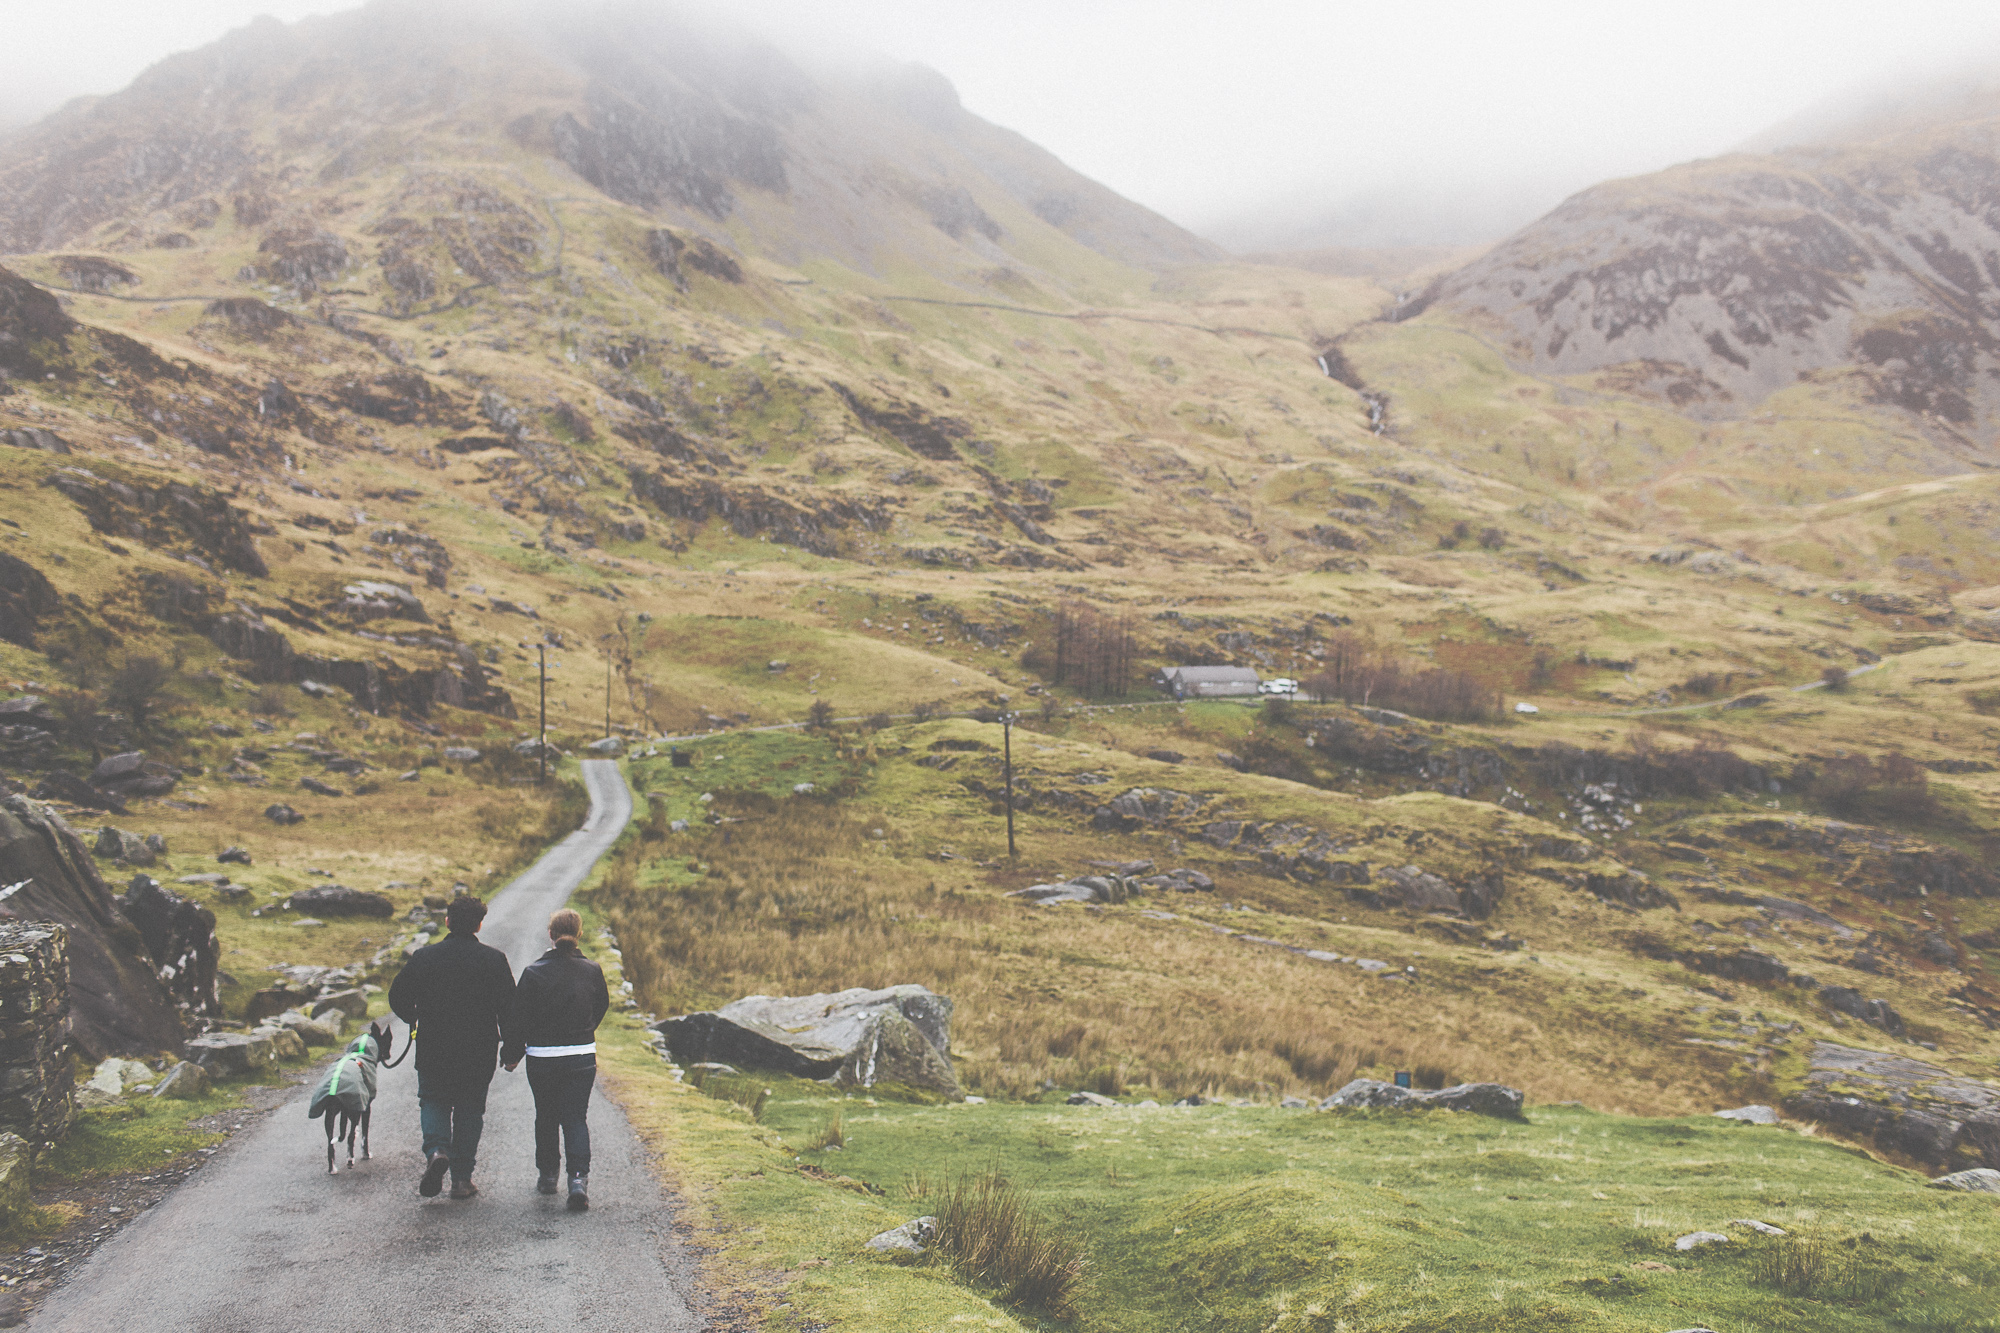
(851, 1038)
(1083, 889)
(118, 1005)
(1942, 1119)
(1980, 1180)
(180, 934)
(1492, 1099)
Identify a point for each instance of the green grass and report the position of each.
(1258, 1218)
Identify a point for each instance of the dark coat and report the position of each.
(560, 1001)
(456, 993)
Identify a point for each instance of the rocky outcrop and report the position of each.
(26, 599)
(33, 328)
(1492, 1099)
(117, 1002)
(1084, 889)
(460, 681)
(852, 1038)
(1905, 1106)
(37, 1078)
(180, 935)
(174, 516)
(808, 519)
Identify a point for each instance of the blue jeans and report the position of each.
(561, 1086)
(453, 1117)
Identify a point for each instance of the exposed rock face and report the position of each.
(180, 935)
(174, 516)
(26, 598)
(32, 327)
(1714, 284)
(459, 681)
(1902, 1105)
(118, 1005)
(797, 517)
(854, 1038)
(1491, 1099)
(1085, 889)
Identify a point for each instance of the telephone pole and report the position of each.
(607, 694)
(542, 684)
(1007, 750)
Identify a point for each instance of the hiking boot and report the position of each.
(463, 1189)
(579, 1193)
(546, 1183)
(434, 1170)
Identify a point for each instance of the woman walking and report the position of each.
(558, 1003)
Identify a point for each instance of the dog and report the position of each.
(347, 1093)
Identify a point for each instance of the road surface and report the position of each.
(262, 1240)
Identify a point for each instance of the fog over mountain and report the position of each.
(1291, 125)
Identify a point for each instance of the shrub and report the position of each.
(923, 710)
(1891, 787)
(992, 1237)
(1704, 684)
(820, 716)
(879, 721)
(1492, 538)
(137, 689)
(1834, 677)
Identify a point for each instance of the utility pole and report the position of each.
(1007, 750)
(607, 693)
(542, 684)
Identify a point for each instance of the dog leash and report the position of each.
(410, 1046)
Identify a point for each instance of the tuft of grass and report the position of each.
(832, 1134)
(1809, 1266)
(993, 1238)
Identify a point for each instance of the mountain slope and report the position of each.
(1721, 282)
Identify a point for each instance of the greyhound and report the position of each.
(347, 1093)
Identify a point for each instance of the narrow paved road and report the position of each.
(262, 1240)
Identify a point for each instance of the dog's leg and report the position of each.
(331, 1132)
(366, 1112)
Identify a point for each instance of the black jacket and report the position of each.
(457, 993)
(560, 1001)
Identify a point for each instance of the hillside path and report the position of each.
(262, 1240)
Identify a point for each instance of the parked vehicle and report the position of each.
(1278, 685)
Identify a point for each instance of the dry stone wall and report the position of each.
(37, 1079)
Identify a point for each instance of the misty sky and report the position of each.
(1272, 123)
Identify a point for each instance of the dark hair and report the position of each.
(465, 913)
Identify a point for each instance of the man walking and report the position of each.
(455, 994)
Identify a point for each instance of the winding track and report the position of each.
(262, 1240)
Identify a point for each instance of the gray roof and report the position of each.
(1209, 675)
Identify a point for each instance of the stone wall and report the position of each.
(37, 1080)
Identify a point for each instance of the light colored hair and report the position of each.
(566, 925)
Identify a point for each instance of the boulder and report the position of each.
(115, 1075)
(320, 788)
(180, 935)
(352, 1003)
(115, 844)
(1980, 1179)
(1750, 1115)
(610, 745)
(802, 789)
(1088, 1099)
(226, 1053)
(374, 600)
(1492, 1099)
(1752, 1224)
(1295, 1104)
(1697, 1239)
(285, 1044)
(1083, 889)
(236, 856)
(461, 754)
(270, 1003)
(531, 747)
(119, 767)
(853, 1038)
(321, 1030)
(339, 900)
(910, 1238)
(61, 785)
(1902, 1105)
(1180, 881)
(117, 1003)
(184, 1082)
(283, 814)
(1166, 756)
